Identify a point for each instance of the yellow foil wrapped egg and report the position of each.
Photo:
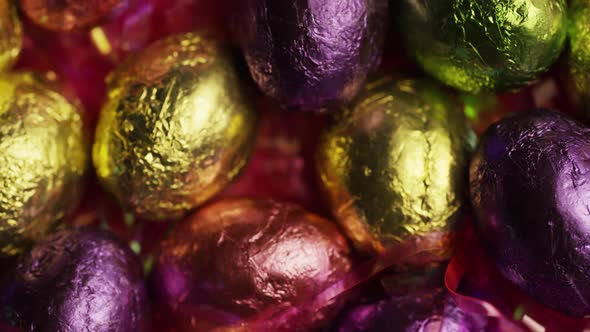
(393, 166)
(176, 129)
(43, 156)
(10, 34)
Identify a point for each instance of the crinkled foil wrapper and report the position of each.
(530, 193)
(393, 167)
(483, 45)
(43, 156)
(11, 34)
(579, 53)
(176, 129)
(311, 54)
(251, 257)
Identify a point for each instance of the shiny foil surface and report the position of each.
(483, 45)
(417, 311)
(10, 34)
(176, 129)
(43, 156)
(78, 280)
(243, 257)
(311, 54)
(530, 193)
(393, 166)
(65, 15)
(579, 54)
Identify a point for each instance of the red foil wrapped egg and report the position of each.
(244, 257)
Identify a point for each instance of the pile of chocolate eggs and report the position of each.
(398, 164)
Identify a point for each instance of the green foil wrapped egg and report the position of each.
(176, 129)
(393, 167)
(579, 55)
(483, 45)
(43, 156)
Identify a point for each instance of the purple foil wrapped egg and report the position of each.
(530, 189)
(246, 257)
(311, 54)
(427, 310)
(77, 280)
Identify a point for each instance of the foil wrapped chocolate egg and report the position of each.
(393, 166)
(69, 14)
(311, 54)
(579, 53)
(78, 280)
(43, 157)
(10, 34)
(530, 192)
(419, 311)
(483, 45)
(176, 129)
(244, 257)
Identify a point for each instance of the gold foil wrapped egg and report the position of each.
(11, 34)
(176, 129)
(393, 167)
(43, 156)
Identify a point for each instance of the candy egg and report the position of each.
(68, 15)
(393, 166)
(530, 193)
(311, 54)
(176, 129)
(243, 257)
(483, 45)
(43, 156)
(579, 53)
(10, 34)
(428, 310)
(78, 280)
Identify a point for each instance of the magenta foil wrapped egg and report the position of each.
(311, 54)
(530, 190)
(77, 280)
